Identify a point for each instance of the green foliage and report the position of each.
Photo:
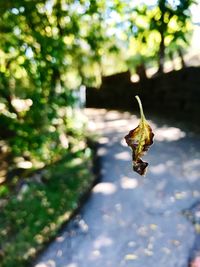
(47, 49)
(153, 29)
(34, 215)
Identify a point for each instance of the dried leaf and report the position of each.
(140, 139)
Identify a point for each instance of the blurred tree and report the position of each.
(47, 49)
(157, 31)
(143, 42)
(171, 20)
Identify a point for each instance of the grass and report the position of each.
(34, 215)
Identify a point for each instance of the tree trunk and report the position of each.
(162, 30)
(171, 56)
(180, 53)
(141, 71)
(161, 56)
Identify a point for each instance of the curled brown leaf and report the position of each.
(140, 139)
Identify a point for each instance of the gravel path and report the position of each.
(131, 220)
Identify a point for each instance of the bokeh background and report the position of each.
(58, 56)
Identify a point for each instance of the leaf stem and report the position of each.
(141, 108)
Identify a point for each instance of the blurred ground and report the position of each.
(131, 220)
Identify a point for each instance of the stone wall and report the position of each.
(176, 94)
